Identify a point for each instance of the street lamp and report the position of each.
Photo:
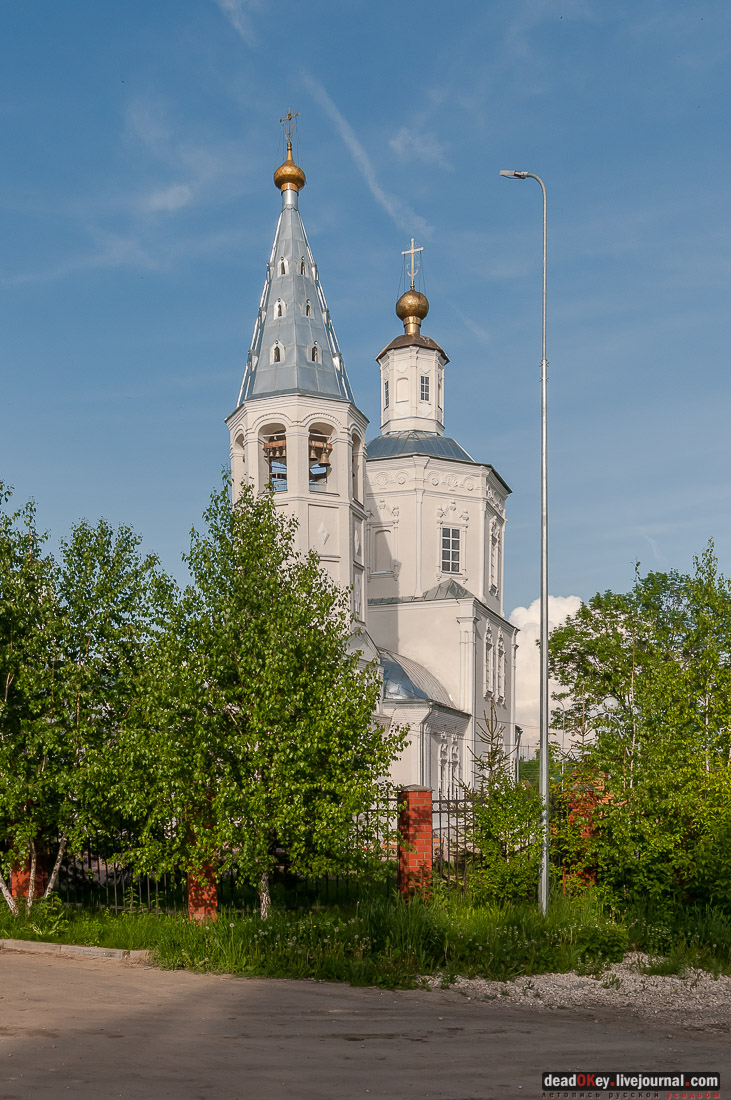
(543, 774)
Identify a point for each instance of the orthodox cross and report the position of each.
(412, 252)
(288, 122)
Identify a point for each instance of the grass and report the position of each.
(682, 938)
(383, 941)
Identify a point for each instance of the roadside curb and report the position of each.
(38, 947)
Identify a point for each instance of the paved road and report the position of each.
(98, 1028)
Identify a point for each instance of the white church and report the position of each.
(409, 521)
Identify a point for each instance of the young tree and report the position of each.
(255, 730)
(505, 825)
(652, 671)
(28, 620)
(72, 643)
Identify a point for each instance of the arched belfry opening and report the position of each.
(273, 443)
(320, 451)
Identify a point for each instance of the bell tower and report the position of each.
(296, 430)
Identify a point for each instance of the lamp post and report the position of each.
(543, 774)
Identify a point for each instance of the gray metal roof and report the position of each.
(406, 681)
(445, 590)
(305, 323)
(416, 443)
(407, 340)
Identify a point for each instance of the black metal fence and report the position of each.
(454, 852)
(96, 879)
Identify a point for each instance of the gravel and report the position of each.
(694, 1001)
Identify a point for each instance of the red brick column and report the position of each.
(202, 894)
(415, 844)
(20, 878)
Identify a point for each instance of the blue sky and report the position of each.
(137, 213)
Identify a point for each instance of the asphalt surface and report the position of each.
(98, 1028)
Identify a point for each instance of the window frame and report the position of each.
(450, 550)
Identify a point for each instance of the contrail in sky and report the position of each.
(399, 212)
(237, 13)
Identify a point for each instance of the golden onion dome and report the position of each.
(289, 177)
(412, 307)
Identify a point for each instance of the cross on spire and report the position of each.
(412, 252)
(288, 123)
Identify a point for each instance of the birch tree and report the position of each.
(73, 636)
(255, 730)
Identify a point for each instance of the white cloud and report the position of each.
(168, 199)
(527, 688)
(400, 213)
(409, 144)
(238, 13)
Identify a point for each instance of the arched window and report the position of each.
(356, 467)
(495, 557)
(501, 669)
(489, 662)
(302, 266)
(320, 450)
(382, 560)
(274, 446)
(279, 307)
(314, 353)
(282, 267)
(277, 354)
(308, 308)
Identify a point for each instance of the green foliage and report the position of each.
(505, 824)
(29, 653)
(73, 636)
(646, 686)
(253, 735)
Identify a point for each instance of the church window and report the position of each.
(279, 307)
(319, 450)
(308, 308)
(489, 662)
(385, 394)
(314, 353)
(277, 353)
(450, 549)
(356, 467)
(424, 387)
(302, 266)
(501, 669)
(495, 557)
(275, 452)
(382, 562)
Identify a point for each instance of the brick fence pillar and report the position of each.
(20, 878)
(202, 894)
(415, 844)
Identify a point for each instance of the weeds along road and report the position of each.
(98, 1028)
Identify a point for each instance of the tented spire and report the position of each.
(294, 348)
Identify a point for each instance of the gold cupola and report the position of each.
(289, 176)
(412, 307)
